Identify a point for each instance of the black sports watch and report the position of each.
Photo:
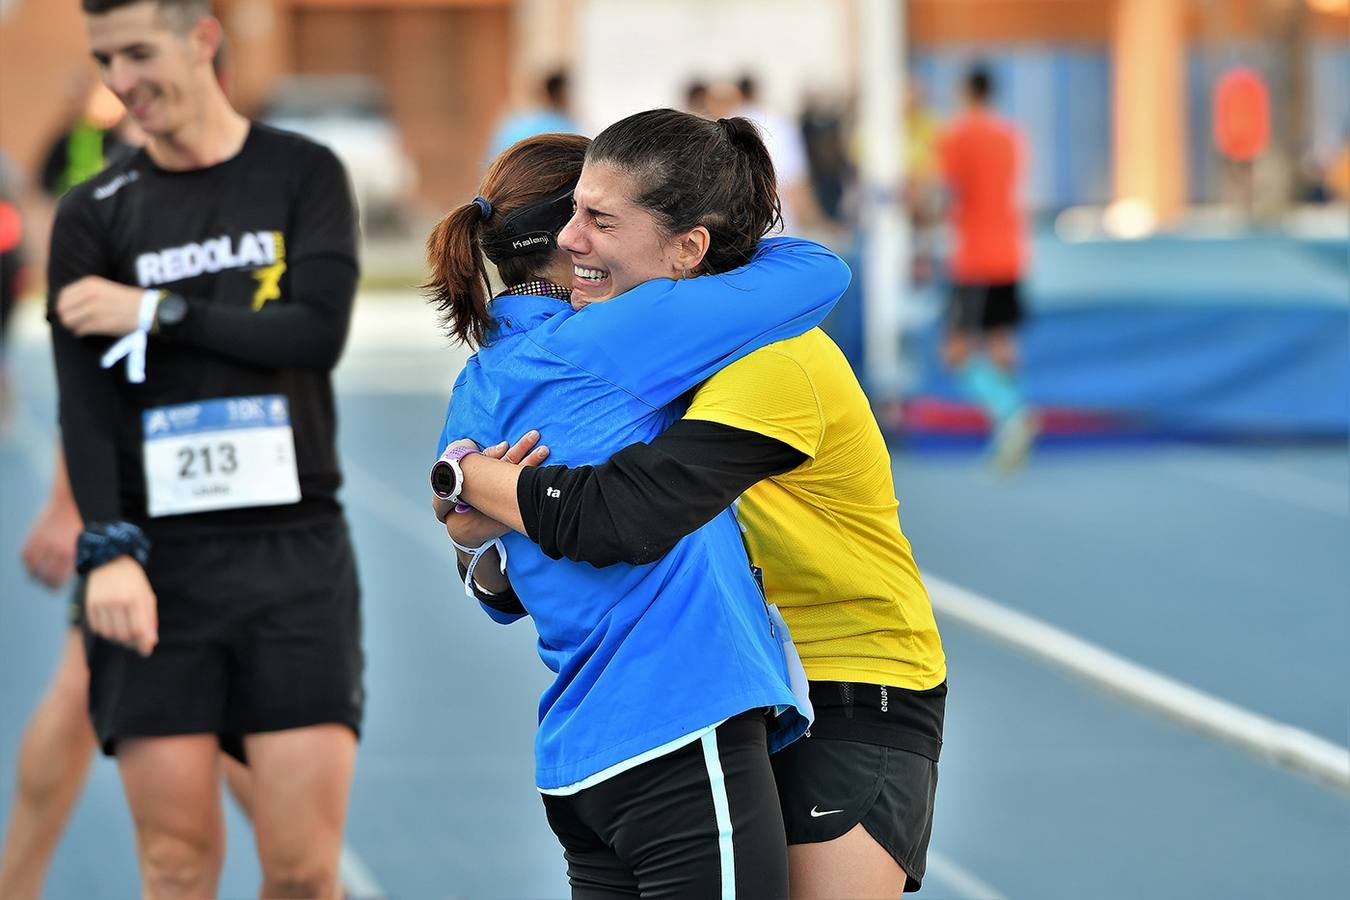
(170, 313)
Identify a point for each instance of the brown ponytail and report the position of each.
(458, 284)
(528, 172)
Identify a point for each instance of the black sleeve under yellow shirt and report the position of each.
(635, 507)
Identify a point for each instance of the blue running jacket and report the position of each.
(643, 654)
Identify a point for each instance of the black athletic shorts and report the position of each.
(982, 308)
(257, 632)
(871, 758)
(672, 827)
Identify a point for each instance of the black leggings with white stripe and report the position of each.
(703, 822)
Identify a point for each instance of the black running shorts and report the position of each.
(257, 632)
(672, 828)
(870, 758)
(981, 308)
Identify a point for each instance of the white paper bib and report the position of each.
(231, 453)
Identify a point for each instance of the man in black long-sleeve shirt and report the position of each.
(200, 296)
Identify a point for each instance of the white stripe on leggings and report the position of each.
(722, 807)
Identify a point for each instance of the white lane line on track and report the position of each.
(1271, 740)
(1269, 481)
(967, 884)
(37, 443)
(358, 882)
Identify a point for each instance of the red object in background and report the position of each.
(11, 227)
(1241, 114)
(932, 416)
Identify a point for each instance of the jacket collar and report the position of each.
(516, 313)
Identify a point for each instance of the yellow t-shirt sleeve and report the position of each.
(767, 392)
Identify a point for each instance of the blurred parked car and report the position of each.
(349, 114)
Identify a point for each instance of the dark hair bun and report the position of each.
(738, 130)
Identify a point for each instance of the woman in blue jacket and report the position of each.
(652, 750)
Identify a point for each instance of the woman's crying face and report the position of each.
(615, 244)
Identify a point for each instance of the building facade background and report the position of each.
(1114, 93)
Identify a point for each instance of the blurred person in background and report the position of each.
(552, 114)
(58, 743)
(12, 270)
(92, 129)
(1336, 178)
(696, 98)
(653, 744)
(822, 129)
(193, 648)
(922, 180)
(788, 151)
(102, 135)
(723, 100)
(787, 438)
(982, 161)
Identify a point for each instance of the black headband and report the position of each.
(530, 229)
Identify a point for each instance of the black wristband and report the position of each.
(504, 602)
(102, 542)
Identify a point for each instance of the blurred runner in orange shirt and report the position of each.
(981, 157)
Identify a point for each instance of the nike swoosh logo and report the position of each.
(817, 813)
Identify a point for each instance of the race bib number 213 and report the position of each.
(231, 453)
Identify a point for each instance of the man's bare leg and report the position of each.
(301, 779)
(956, 349)
(54, 757)
(1001, 344)
(173, 788)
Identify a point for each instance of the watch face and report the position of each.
(445, 479)
(172, 310)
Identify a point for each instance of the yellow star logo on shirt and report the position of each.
(269, 277)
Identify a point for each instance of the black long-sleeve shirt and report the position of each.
(264, 247)
(636, 506)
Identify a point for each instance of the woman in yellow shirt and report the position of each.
(788, 431)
